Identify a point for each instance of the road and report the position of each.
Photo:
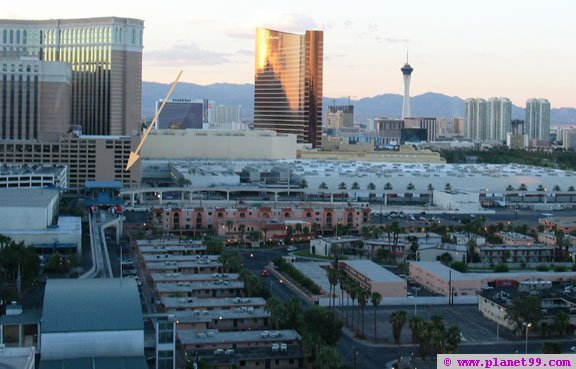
(369, 356)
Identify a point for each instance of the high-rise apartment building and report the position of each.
(288, 83)
(180, 114)
(225, 114)
(487, 120)
(34, 99)
(537, 123)
(498, 118)
(475, 119)
(105, 55)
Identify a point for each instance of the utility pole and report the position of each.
(450, 288)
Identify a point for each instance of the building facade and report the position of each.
(89, 158)
(288, 83)
(33, 176)
(537, 123)
(475, 119)
(338, 117)
(34, 99)
(105, 55)
(180, 114)
(224, 114)
(499, 116)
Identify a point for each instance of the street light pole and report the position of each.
(416, 300)
(527, 325)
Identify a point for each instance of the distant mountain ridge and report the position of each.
(429, 104)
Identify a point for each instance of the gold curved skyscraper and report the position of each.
(288, 83)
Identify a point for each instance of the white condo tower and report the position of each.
(406, 71)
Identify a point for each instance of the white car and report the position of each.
(292, 248)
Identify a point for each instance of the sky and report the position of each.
(513, 48)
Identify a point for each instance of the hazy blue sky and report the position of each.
(513, 48)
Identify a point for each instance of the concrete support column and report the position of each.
(20, 338)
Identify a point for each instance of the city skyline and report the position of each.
(519, 51)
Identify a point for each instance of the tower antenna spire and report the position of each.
(406, 55)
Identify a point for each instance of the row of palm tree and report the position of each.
(540, 188)
(354, 292)
(431, 336)
(372, 187)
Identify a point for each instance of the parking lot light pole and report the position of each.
(416, 289)
(527, 325)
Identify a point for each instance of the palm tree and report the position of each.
(447, 187)
(453, 338)
(410, 186)
(255, 236)
(355, 186)
(304, 184)
(323, 186)
(376, 298)
(371, 186)
(561, 323)
(229, 225)
(523, 187)
(398, 319)
(342, 186)
(362, 301)
(353, 292)
(571, 189)
(556, 188)
(333, 280)
(430, 187)
(416, 324)
(509, 188)
(540, 188)
(242, 229)
(298, 228)
(388, 186)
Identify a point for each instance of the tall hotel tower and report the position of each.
(288, 83)
(537, 124)
(406, 72)
(105, 58)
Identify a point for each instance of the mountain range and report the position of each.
(386, 105)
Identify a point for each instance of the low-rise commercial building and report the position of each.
(517, 254)
(398, 250)
(247, 349)
(18, 358)
(20, 328)
(440, 279)
(344, 245)
(565, 224)
(172, 304)
(551, 238)
(434, 252)
(464, 238)
(208, 289)
(374, 278)
(186, 267)
(237, 319)
(169, 246)
(514, 238)
(192, 278)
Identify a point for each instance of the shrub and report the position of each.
(285, 267)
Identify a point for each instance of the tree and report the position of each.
(329, 358)
(362, 301)
(213, 246)
(501, 268)
(376, 298)
(509, 188)
(447, 187)
(388, 186)
(355, 186)
(371, 186)
(398, 319)
(524, 309)
(231, 261)
(342, 186)
(353, 292)
(242, 230)
(304, 184)
(571, 189)
(459, 266)
(446, 258)
(229, 225)
(323, 186)
(430, 187)
(278, 313)
(333, 276)
(324, 323)
(416, 324)
(453, 338)
(561, 323)
(540, 188)
(393, 231)
(410, 186)
(556, 188)
(523, 187)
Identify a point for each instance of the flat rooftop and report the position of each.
(26, 197)
(210, 315)
(211, 304)
(30, 170)
(176, 277)
(178, 258)
(169, 265)
(191, 286)
(443, 272)
(372, 271)
(515, 235)
(66, 225)
(169, 242)
(213, 336)
(168, 249)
